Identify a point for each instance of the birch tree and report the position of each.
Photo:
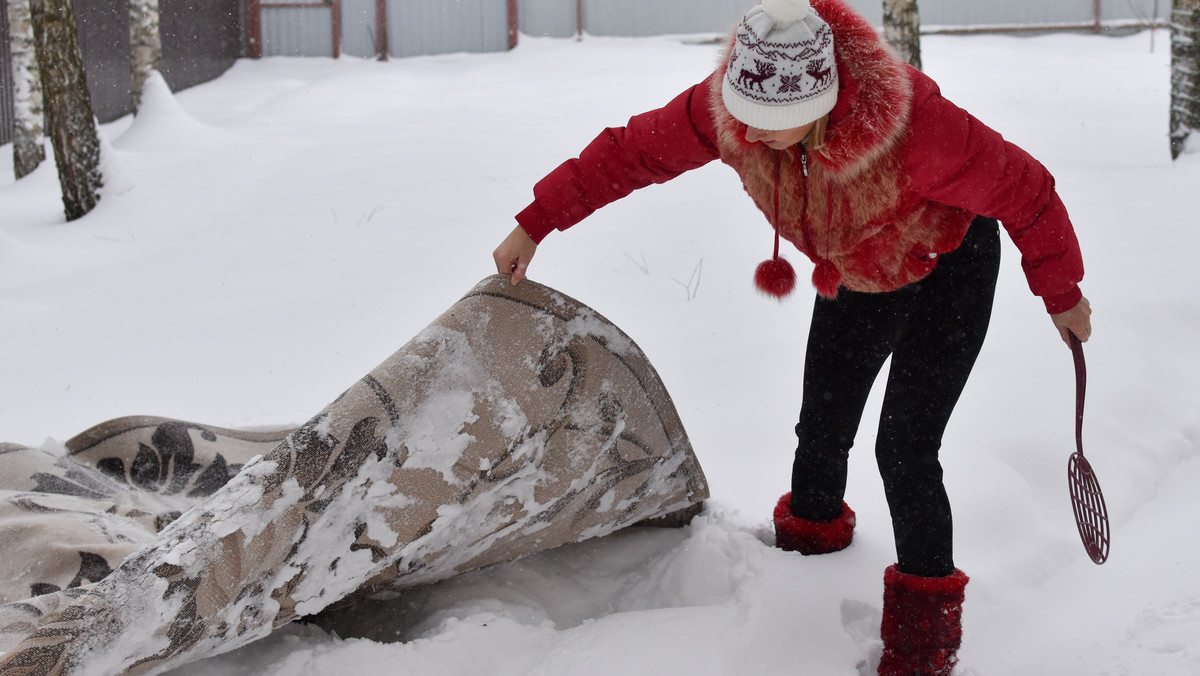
(145, 42)
(1185, 77)
(71, 125)
(902, 29)
(29, 148)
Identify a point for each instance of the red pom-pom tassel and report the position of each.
(775, 277)
(826, 279)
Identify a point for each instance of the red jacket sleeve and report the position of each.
(653, 147)
(955, 159)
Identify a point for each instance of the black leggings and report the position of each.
(933, 330)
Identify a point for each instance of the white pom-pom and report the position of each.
(786, 11)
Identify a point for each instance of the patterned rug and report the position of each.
(517, 421)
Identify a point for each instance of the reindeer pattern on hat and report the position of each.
(782, 73)
(763, 70)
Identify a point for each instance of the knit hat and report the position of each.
(781, 71)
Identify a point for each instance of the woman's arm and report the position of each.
(653, 147)
(955, 159)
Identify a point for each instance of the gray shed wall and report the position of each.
(297, 31)
(550, 18)
(657, 17)
(414, 27)
(557, 18)
(956, 13)
(358, 28)
(439, 27)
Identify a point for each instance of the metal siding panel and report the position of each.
(418, 27)
(657, 17)
(403, 37)
(297, 31)
(1034, 12)
(1009, 12)
(493, 24)
(549, 18)
(871, 10)
(465, 19)
(1140, 10)
(402, 15)
(358, 28)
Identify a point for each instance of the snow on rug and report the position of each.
(517, 421)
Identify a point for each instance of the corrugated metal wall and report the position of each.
(358, 28)
(550, 18)
(557, 18)
(439, 27)
(1138, 10)
(413, 27)
(956, 13)
(289, 30)
(959, 13)
(650, 17)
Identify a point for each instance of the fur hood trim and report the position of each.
(873, 108)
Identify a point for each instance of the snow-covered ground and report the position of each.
(265, 239)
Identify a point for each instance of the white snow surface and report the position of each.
(267, 238)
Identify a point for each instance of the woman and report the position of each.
(894, 193)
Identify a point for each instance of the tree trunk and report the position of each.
(1185, 77)
(29, 147)
(72, 127)
(145, 42)
(902, 29)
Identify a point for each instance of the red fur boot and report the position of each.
(922, 623)
(794, 534)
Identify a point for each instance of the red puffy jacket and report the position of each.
(898, 180)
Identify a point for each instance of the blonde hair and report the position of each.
(816, 136)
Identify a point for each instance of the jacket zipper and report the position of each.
(804, 229)
(804, 210)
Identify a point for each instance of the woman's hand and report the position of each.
(514, 253)
(1077, 320)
